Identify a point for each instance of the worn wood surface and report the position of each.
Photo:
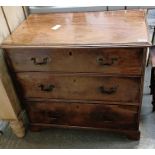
(95, 60)
(84, 115)
(82, 29)
(74, 87)
(73, 81)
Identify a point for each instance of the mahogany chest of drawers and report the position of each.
(81, 70)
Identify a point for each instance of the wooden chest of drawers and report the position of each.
(80, 69)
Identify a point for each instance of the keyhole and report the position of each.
(74, 80)
(70, 53)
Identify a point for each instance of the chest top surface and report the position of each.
(107, 29)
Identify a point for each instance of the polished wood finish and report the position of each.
(87, 72)
(80, 87)
(120, 28)
(95, 60)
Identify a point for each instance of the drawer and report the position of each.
(79, 87)
(97, 60)
(85, 115)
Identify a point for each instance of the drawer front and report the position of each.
(79, 87)
(117, 60)
(85, 115)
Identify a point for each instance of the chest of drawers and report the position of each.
(86, 73)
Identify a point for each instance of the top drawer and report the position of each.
(88, 60)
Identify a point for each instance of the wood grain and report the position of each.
(61, 86)
(82, 29)
(85, 115)
(67, 79)
(87, 60)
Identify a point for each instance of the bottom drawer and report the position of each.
(83, 115)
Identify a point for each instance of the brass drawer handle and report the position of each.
(46, 88)
(102, 61)
(109, 91)
(37, 61)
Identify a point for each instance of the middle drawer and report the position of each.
(79, 87)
